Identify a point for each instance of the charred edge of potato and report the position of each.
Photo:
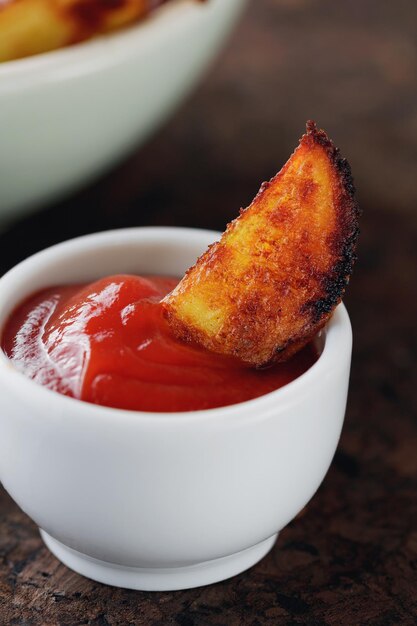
(345, 239)
(344, 243)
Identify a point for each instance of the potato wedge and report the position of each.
(272, 281)
(30, 27)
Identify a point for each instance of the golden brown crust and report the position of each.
(272, 281)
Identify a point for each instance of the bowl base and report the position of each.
(158, 579)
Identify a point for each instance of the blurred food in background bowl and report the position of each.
(69, 114)
(30, 27)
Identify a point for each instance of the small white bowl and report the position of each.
(68, 115)
(162, 501)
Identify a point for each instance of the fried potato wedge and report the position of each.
(30, 27)
(272, 281)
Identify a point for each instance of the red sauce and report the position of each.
(108, 343)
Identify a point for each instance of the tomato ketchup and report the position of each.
(108, 343)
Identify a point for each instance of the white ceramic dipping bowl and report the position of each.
(162, 501)
(67, 115)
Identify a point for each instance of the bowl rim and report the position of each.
(337, 343)
(108, 48)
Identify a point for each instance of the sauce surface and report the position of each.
(108, 343)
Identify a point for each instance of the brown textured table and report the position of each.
(351, 558)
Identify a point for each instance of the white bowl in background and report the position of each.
(159, 501)
(67, 115)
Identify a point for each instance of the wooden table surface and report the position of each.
(351, 558)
